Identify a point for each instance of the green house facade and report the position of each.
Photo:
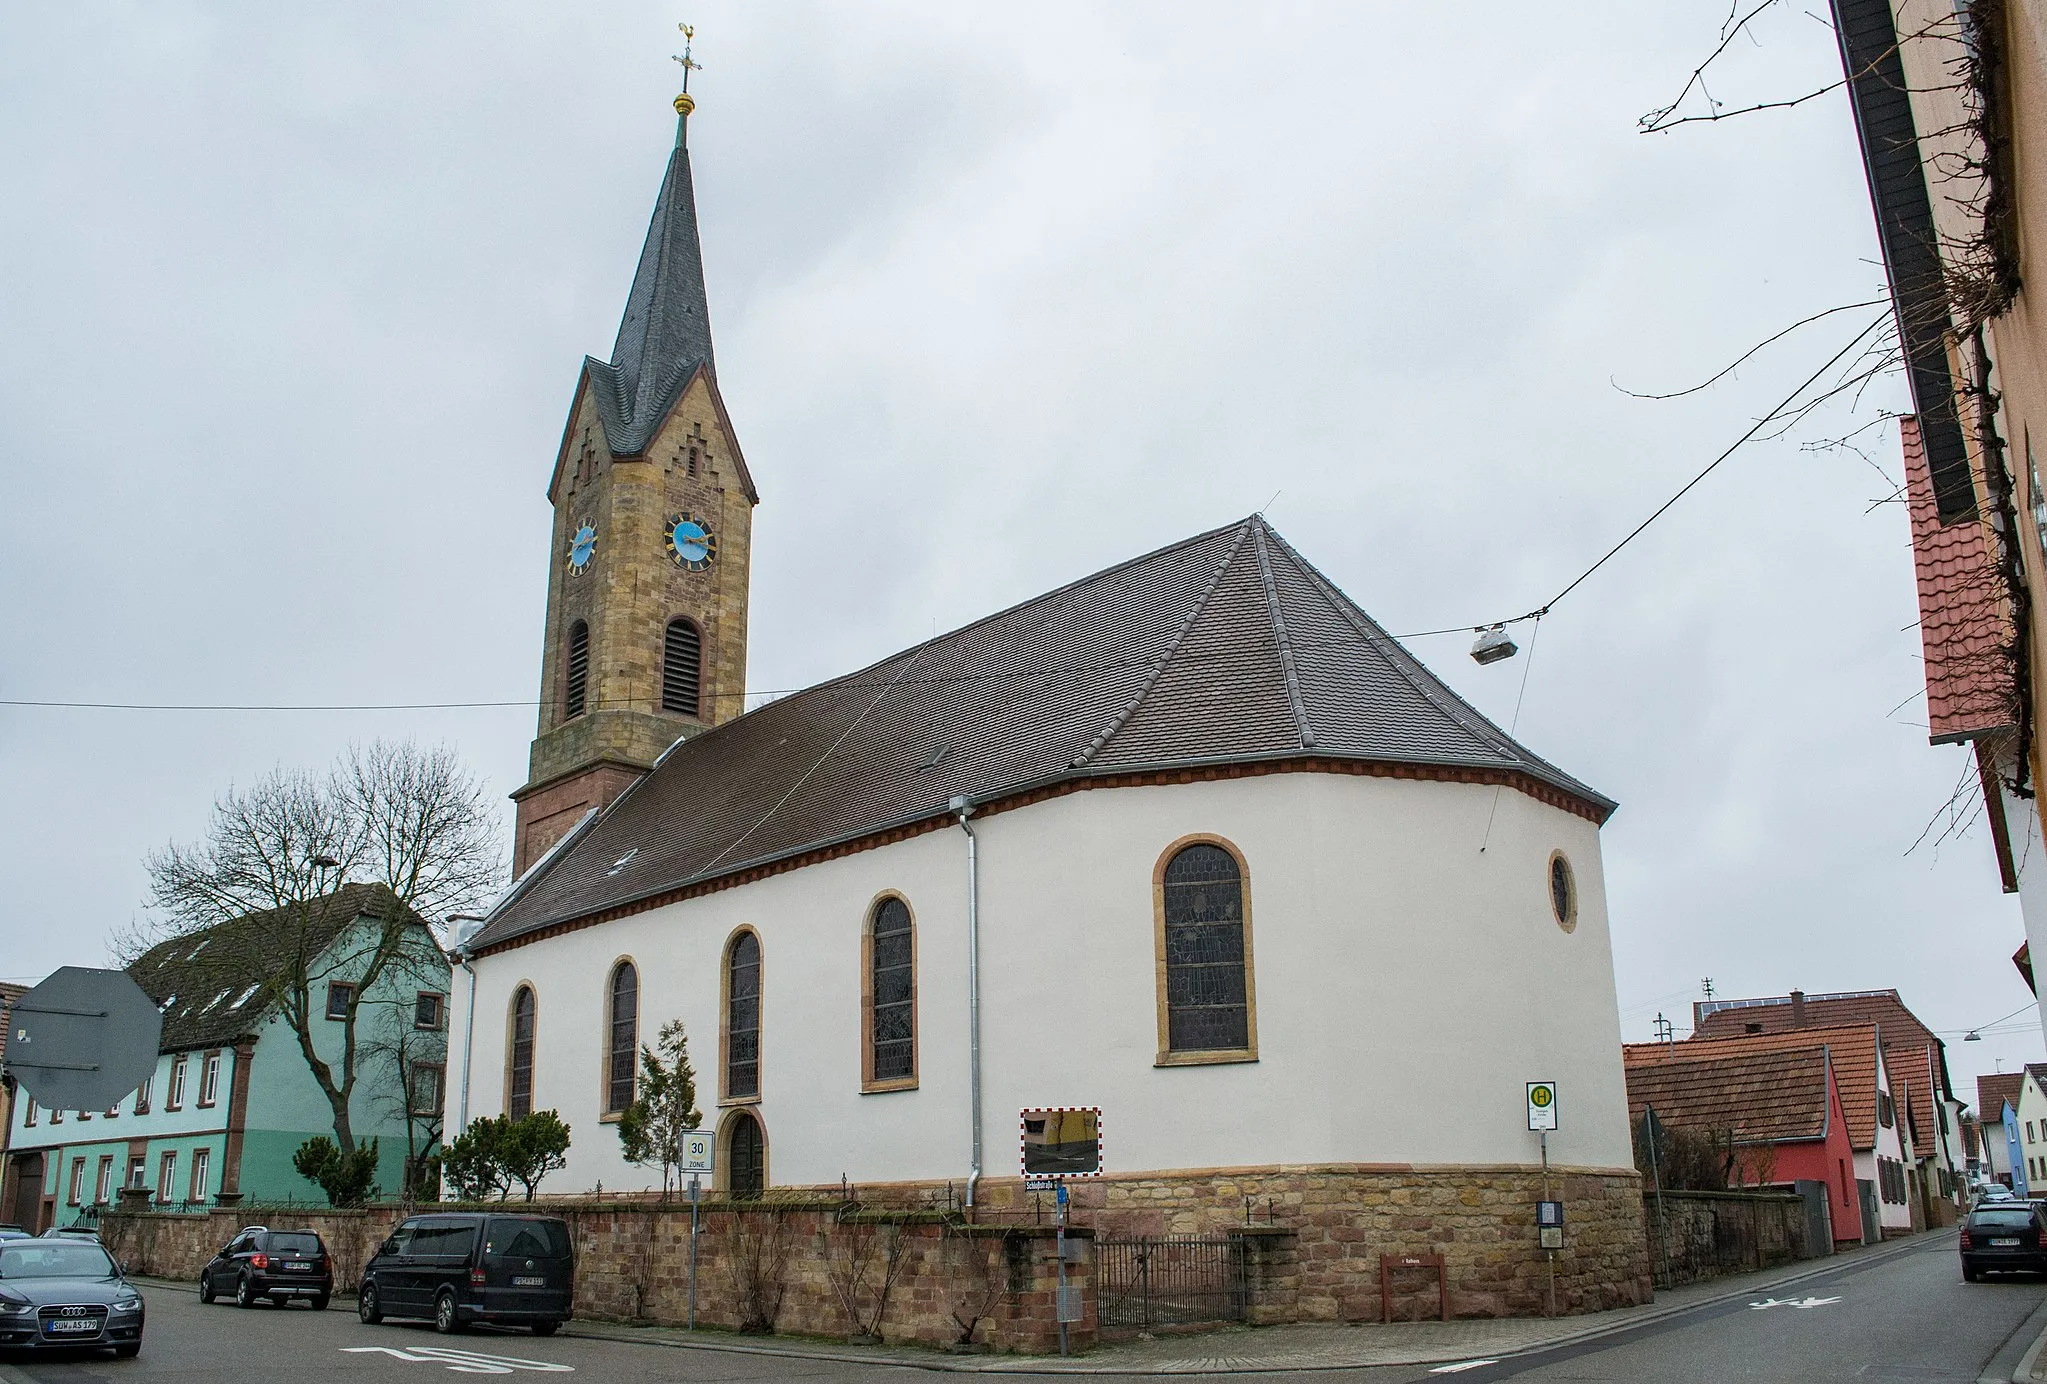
(232, 1096)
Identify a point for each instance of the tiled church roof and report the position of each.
(1225, 649)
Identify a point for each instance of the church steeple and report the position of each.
(653, 524)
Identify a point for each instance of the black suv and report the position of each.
(261, 1264)
(2003, 1237)
(459, 1268)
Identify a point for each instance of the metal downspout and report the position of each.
(965, 809)
(468, 1039)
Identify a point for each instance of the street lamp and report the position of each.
(1493, 645)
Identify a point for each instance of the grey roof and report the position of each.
(1224, 648)
(217, 984)
(665, 335)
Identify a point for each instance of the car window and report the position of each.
(401, 1240)
(295, 1244)
(2016, 1217)
(461, 1239)
(527, 1239)
(54, 1259)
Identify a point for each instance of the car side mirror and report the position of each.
(389, 1246)
(121, 1267)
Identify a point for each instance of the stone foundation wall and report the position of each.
(1703, 1235)
(632, 1264)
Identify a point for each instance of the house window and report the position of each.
(1206, 1001)
(142, 1094)
(28, 1113)
(746, 1157)
(681, 669)
(56, 1117)
(201, 1159)
(340, 994)
(1887, 1115)
(428, 1084)
(176, 1095)
(429, 1010)
(891, 985)
(137, 1173)
(209, 1079)
(167, 1178)
(579, 669)
(77, 1181)
(743, 1017)
(623, 1054)
(519, 1078)
(103, 1191)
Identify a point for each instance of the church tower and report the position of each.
(653, 517)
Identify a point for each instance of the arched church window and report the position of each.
(519, 1069)
(579, 668)
(681, 668)
(1206, 1005)
(622, 1058)
(743, 1017)
(746, 1157)
(891, 986)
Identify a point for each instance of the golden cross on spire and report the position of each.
(689, 64)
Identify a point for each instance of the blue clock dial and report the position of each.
(582, 547)
(689, 542)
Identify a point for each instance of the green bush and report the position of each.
(348, 1179)
(492, 1154)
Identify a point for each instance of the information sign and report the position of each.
(697, 1150)
(1542, 1105)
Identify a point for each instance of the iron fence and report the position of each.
(1170, 1280)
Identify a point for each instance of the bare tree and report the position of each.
(410, 1096)
(412, 823)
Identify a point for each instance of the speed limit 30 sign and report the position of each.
(1542, 1105)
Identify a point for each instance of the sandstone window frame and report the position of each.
(728, 1164)
(1168, 1055)
(519, 1065)
(726, 1057)
(1560, 880)
(611, 1108)
(871, 1082)
(673, 683)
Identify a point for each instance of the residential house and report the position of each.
(232, 1097)
(1780, 1108)
(1948, 101)
(1870, 1103)
(8, 995)
(2030, 1117)
(1914, 1055)
(1995, 1095)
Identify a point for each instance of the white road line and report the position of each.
(1461, 1366)
(461, 1361)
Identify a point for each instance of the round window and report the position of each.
(1563, 892)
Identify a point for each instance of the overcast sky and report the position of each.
(292, 303)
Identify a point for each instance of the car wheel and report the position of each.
(446, 1320)
(244, 1297)
(128, 1351)
(545, 1328)
(367, 1307)
(205, 1287)
(319, 1304)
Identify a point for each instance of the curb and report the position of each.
(2025, 1343)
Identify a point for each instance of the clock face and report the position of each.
(689, 541)
(582, 547)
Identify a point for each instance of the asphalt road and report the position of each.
(1905, 1317)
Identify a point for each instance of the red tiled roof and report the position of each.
(1853, 1048)
(1758, 1097)
(1962, 620)
(1993, 1091)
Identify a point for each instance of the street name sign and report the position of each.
(83, 1039)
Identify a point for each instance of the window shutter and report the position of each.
(681, 669)
(579, 667)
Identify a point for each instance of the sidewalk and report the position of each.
(1242, 1350)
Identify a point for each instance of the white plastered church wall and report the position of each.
(1396, 967)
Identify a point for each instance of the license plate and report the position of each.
(297, 1264)
(2006, 1242)
(82, 1325)
(542, 1283)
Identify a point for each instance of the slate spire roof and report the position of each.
(665, 335)
(1226, 649)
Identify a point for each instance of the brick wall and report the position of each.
(1702, 1235)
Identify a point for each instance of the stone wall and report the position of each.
(632, 1264)
(1703, 1235)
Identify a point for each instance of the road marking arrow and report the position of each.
(1801, 1304)
(462, 1361)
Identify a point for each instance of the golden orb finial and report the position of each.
(685, 103)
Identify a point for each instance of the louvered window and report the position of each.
(625, 1037)
(681, 668)
(743, 1018)
(894, 1016)
(1207, 998)
(579, 668)
(519, 1078)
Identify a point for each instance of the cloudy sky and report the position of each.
(294, 301)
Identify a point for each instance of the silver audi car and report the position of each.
(66, 1294)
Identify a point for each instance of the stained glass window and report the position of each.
(1207, 1000)
(894, 1018)
(519, 1080)
(625, 1038)
(743, 1017)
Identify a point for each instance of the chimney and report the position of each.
(1798, 1009)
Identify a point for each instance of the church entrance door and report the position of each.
(747, 1149)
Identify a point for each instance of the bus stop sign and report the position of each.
(83, 1039)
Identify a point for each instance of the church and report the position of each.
(1191, 842)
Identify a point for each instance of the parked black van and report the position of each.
(464, 1267)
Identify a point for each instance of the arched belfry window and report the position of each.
(682, 658)
(578, 680)
(622, 1053)
(746, 1157)
(891, 989)
(743, 1018)
(1207, 1008)
(519, 1066)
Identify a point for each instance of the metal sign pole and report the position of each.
(1059, 1310)
(693, 1186)
(1549, 1255)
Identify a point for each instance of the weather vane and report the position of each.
(689, 64)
